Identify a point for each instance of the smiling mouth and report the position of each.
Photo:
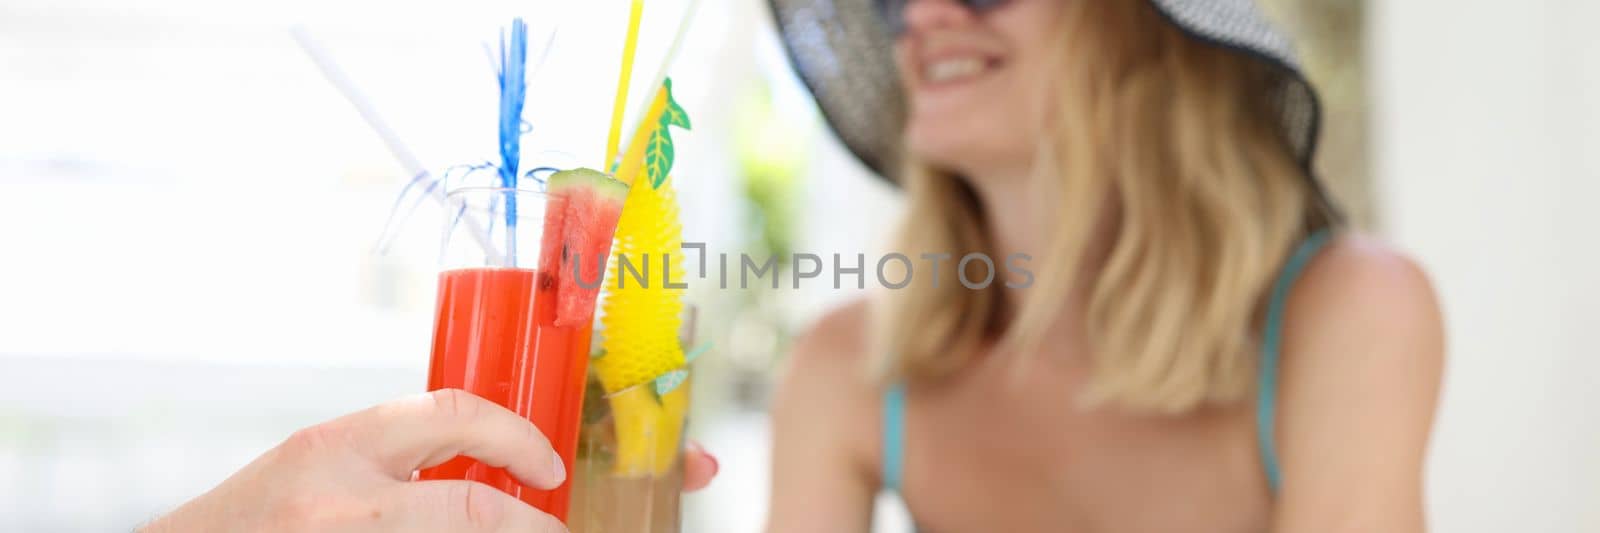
(954, 69)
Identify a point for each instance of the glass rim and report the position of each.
(687, 368)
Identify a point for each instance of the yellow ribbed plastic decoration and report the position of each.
(641, 322)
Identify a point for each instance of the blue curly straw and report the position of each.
(513, 92)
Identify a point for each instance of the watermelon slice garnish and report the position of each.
(580, 218)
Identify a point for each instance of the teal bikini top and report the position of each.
(894, 400)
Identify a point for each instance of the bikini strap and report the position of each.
(894, 399)
(1271, 339)
(894, 434)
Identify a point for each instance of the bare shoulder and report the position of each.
(823, 429)
(825, 386)
(827, 366)
(1361, 290)
(1362, 358)
(838, 339)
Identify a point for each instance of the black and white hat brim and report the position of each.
(842, 51)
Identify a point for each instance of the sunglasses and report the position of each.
(893, 11)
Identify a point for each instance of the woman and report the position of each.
(1202, 349)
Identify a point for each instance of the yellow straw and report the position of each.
(621, 105)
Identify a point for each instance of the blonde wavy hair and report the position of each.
(1206, 197)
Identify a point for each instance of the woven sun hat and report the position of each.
(843, 52)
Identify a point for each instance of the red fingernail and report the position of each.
(715, 466)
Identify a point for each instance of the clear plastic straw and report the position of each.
(661, 72)
(369, 114)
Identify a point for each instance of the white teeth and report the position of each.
(953, 69)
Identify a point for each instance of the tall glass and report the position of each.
(495, 334)
(630, 454)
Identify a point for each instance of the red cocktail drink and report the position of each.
(495, 336)
(513, 321)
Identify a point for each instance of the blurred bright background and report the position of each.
(188, 210)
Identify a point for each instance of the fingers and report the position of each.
(699, 467)
(426, 430)
(464, 507)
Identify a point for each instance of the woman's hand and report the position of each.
(354, 474)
